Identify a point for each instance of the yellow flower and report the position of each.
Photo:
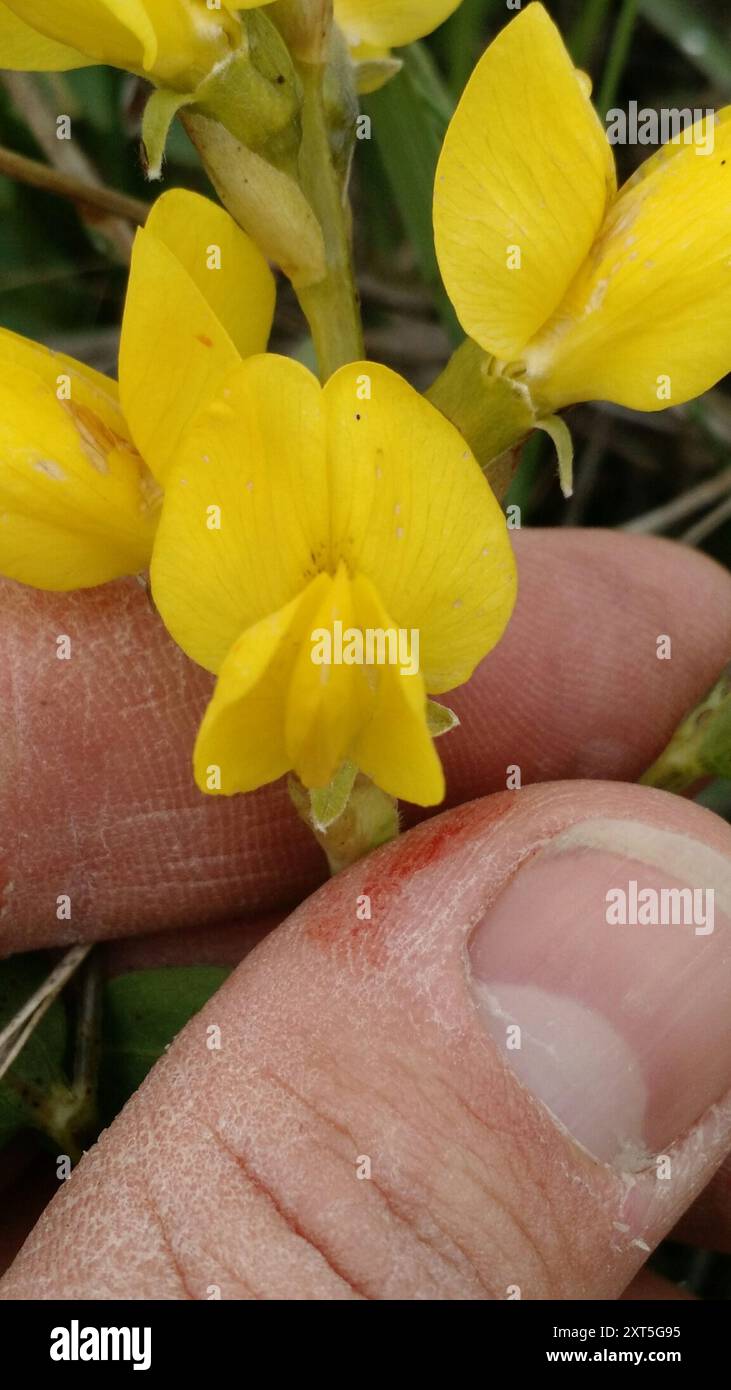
(173, 42)
(373, 27)
(78, 506)
(177, 42)
(581, 292)
(290, 509)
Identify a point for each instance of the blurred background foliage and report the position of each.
(63, 269)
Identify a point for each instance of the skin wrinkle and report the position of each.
(582, 678)
(169, 1248)
(528, 1160)
(13, 759)
(408, 1215)
(263, 1190)
(661, 1203)
(399, 1213)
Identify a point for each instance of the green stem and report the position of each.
(70, 1115)
(88, 1044)
(330, 305)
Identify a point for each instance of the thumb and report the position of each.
(451, 1074)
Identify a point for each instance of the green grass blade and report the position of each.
(410, 116)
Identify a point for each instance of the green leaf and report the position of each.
(143, 1012)
(38, 1070)
(328, 803)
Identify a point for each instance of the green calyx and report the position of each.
(494, 413)
(254, 94)
(257, 95)
(349, 818)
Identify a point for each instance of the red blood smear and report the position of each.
(393, 867)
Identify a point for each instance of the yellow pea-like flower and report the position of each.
(177, 43)
(174, 42)
(579, 291)
(78, 505)
(294, 514)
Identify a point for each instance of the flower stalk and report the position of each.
(330, 304)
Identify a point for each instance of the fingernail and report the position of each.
(603, 972)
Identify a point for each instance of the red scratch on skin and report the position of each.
(430, 843)
(394, 867)
(204, 339)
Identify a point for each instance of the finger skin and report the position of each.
(97, 800)
(575, 689)
(235, 1167)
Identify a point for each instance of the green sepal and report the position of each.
(160, 112)
(327, 804)
(371, 74)
(440, 720)
(560, 433)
